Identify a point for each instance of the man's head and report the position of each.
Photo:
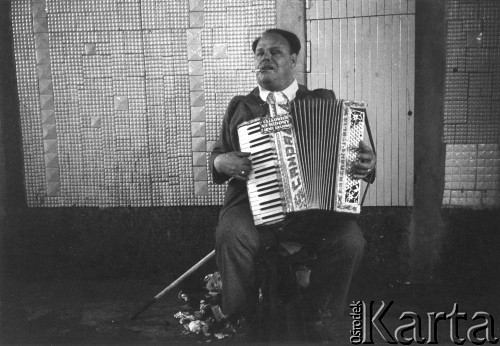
(275, 58)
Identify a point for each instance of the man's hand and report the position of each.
(235, 164)
(365, 162)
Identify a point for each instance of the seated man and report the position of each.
(335, 238)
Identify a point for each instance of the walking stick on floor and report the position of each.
(173, 284)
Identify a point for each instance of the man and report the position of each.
(335, 238)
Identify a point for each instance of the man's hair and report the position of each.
(290, 37)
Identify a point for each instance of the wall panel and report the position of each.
(372, 59)
(471, 104)
(122, 100)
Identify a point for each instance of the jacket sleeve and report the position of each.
(323, 93)
(224, 143)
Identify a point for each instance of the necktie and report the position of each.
(271, 99)
(278, 103)
(281, 98)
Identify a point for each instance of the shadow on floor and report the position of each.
(97, 312)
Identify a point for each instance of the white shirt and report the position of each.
(289, 92)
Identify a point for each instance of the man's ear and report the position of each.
(294, 59)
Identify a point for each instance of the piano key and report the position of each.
(262, 197)
(256, 190)
(262, 153)
(271, 202)
(254, 183)
(257, 211)
(262, 159)
(269, 218)
(254, 126)
(277, 207)
(265, 165)
(252, 137)
(264, 174)
(252, 147)
(269, 171)
(269, 182)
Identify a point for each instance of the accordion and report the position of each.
(301, 159)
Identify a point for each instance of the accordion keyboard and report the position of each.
(264, 185)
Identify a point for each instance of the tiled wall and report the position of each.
(472, 175)
(121, 100)
(472, 101)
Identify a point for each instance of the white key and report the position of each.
(258, 195)
(265, 218)
(254, 186)
(253, 148)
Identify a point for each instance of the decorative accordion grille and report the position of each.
(353, 190)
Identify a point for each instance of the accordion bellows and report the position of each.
(301, 160)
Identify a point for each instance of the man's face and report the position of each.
(274, 62)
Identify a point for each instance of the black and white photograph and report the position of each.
(268, 172)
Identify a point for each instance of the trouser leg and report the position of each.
(337, 241)
(237, 244)
(340, 253)
(339, 245)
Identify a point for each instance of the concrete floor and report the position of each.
(97, 312)
(87, 312)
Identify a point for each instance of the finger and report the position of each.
(244, 172)
(362, 172)
(240, 178)
(358, 176)
(363, 146)
(365, 152)
(241, 170)
(366, 155)
(243, 166)
(246, 162)
(358, 165)
(243, 153)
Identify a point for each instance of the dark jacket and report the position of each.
(241, 109)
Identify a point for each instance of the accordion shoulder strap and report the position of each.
(372, 143)
(367, 124)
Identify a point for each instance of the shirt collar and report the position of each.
(289, 92)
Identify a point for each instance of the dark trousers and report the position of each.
(335, 238)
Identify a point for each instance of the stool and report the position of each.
(280, 312)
